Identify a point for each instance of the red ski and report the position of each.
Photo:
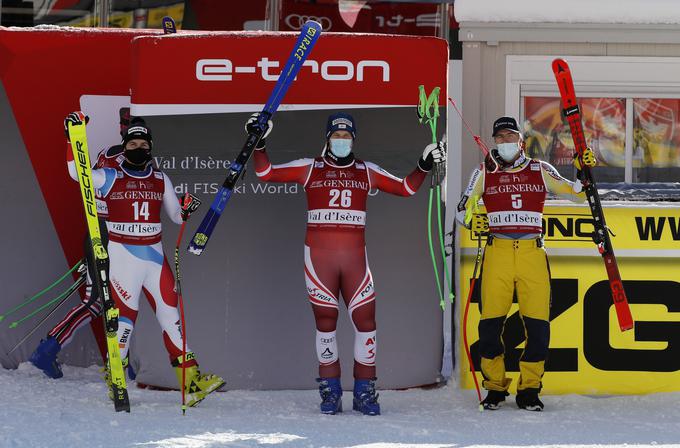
(601, 233)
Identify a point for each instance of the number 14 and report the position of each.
(141, 211)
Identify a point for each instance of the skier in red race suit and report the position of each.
(135, 192)
(337, 186)
(45, 355)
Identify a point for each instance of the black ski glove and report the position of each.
(75, 118)
(252, 127)
(189, 204)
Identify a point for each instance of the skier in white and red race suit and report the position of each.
(514, 257)
(135, 192)
(44, 356)
(337, 186)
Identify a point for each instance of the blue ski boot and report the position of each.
(365, 398)
(45, 357)
(331, 395)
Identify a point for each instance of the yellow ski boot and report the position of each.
(197, 385)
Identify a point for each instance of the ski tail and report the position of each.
(309, 34)
(601, 232)
(81, 156)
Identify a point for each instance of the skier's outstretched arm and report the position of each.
(296, 171)
(384, 181)
(558, 185)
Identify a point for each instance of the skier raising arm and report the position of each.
(135, 192)
(45, 355)
(514, 258)
(337, 186)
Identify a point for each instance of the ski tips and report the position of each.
(169, 26)
(313, 24)
(559, 65)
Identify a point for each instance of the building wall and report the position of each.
(484, 74)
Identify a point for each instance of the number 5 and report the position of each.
(516, 201)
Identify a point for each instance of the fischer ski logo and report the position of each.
(335, 70)
(86, 180)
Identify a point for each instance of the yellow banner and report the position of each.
(588, 352)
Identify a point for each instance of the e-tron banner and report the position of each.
(235, 72)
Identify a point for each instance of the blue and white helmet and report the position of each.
(341, 121)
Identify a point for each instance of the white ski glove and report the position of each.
(433, 153)
(577, 186)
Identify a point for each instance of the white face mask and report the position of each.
(341, 147)
(508, 151)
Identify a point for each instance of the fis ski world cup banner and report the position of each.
(588, 353)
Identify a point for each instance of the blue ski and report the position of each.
(309, 34)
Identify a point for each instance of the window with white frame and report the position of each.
(630, 108)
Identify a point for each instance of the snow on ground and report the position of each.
(572, 11)
(73, 411)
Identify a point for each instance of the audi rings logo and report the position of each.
(296, 21)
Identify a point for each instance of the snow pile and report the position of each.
(73, 411)
(572, 11)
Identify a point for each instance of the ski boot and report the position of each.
(331, 395)
(494, 399)
(197, 386)
(528, 399)
(45, 357)
(365, 398)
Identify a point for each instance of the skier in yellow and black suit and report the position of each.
(514, 257)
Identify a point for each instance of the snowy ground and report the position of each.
(73, 412)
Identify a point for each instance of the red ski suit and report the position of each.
(335, 248)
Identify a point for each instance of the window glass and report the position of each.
(656, 147)
(548, 136)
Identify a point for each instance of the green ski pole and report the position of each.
(70, 292)
(428, 112)
(64, 295)
(36, 296)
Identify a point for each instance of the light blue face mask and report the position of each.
(341, 147)
(508, 151)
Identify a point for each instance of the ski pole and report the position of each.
(428, 112)
(480, 143)
(70, 292)
(36, 296)
(190, 204)
(465, 316)
(73, 288)
(442, 303)
(178, 287)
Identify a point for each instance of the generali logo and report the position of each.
(336, 70)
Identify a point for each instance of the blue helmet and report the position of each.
(341, 121)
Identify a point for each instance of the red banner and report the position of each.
(232, 72)
(389, 18)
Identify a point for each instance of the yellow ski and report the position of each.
(81, 156)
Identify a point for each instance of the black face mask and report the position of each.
(138, 157)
